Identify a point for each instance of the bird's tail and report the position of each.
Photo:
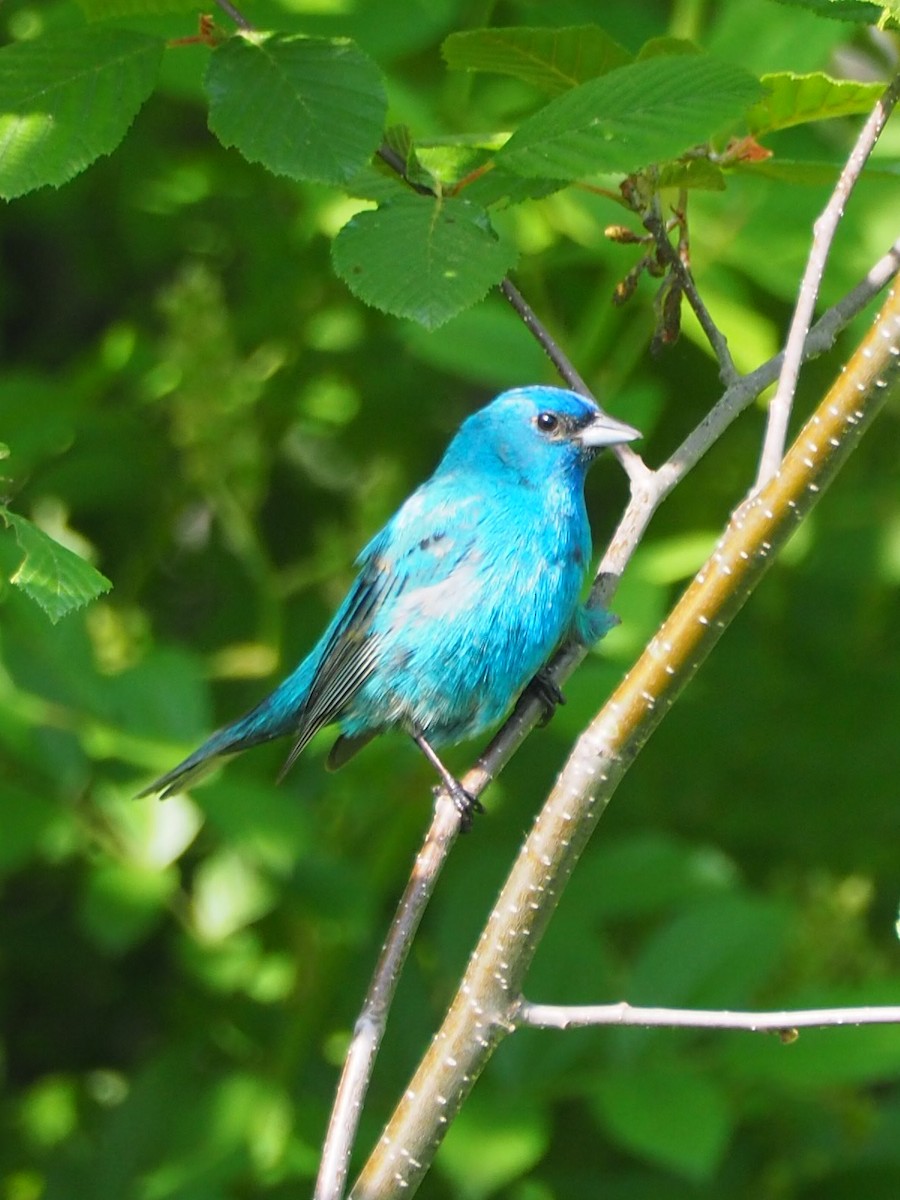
(274, 717)
(221, 744)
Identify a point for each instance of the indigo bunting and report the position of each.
(460, 599)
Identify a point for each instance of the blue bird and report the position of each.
(460, 599)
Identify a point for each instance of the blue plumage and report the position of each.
(460, 599)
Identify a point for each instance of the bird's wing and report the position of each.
(410, 551)
(348, 656)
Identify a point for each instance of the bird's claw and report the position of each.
(467, 805)
(547, 691)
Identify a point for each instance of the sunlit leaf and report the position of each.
(796, 99)
(643, 113)
(58, 580)
(68, 98)
(859, 11)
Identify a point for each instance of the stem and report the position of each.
(656, 226)
(550, 347)
(579, 1016)
(236, 15)
(370, 1025)
(823, 235)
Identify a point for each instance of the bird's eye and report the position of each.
(547, 422)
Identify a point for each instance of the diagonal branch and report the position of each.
(648, 490)
(235, 13)
(370, 1025)
(547, 343)
(485, 1006)
(824, 231)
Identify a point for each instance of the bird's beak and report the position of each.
(605, 430)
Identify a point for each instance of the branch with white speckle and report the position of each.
(787, 1022)
(489, 999)
(649, 489)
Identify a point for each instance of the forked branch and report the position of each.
(485, 1007)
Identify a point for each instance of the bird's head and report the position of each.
(536, 430)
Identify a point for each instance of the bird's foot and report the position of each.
(467, 805)
(547, 691)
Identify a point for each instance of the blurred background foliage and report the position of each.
(193, 401)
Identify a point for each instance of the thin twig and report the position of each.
(370, 1025)
(548, 344)
(236, 15)
(485, 1006)
(578, 1016)
(823, 235)
(650, 488)
(656, 226)
(391, 158)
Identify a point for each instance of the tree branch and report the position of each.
(485, 1006)
(580, 1016)
(370, 1025)
(648, 490)
(823, 235)
(656, 226)
(236, 15)
(541, 334)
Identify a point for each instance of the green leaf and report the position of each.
(68, 98)
(55, 578)
(493, 1141)
(697, 173)
(859, 11)
(644, 113)
(813, 174)
(426, 258)
(553, 60)
(308, 108)
(825, 1058)
(797, 99)
(452, 162)
(666, 1114)
(665, 47)
(714, 953)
